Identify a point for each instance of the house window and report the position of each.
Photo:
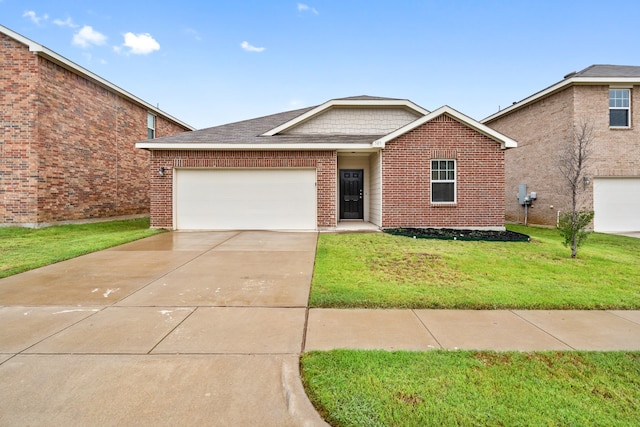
(443, 181)
(151, 126)
(619, 110)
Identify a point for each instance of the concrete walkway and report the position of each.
(176, 329)
(205, 328)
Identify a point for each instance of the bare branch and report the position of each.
(572, 166)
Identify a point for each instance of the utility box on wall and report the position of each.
(522, 194)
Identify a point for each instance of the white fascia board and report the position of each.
(253, 147)
(563, 85)
(47, 53)
(346, 103)
(505, 142)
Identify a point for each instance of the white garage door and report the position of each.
(616, 202)
(245, 199)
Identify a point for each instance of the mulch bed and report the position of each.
(452, 234)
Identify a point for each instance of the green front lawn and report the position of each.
(467, 388)
(385, 271)
(23, 249)
(452, 388)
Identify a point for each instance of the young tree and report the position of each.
(572, 166)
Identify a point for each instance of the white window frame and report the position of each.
(446, 179)
(151, 126)
(626, 108)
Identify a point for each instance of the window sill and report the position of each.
(620, 128)
(444, 204)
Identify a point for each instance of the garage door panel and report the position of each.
(616, 204)
(245, 199)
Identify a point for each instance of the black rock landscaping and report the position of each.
(453, 234)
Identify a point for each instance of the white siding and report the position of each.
(358, 121)
(375, 189)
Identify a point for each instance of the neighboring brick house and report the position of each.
(384, 161)
(67, 147)
(608, 98)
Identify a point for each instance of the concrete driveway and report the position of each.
(193, 328)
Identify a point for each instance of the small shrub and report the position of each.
(572, 227)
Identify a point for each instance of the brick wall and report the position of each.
(543, 128)
(540, 130)
(406, 177)
(69, 145)
(616, 152)
(325, 163)
(18, 158)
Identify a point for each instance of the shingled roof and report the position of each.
(250, 132)
(265, 131)
(599, 70)
(270, 132)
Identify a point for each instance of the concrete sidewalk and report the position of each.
(501, 330)
(206, 328)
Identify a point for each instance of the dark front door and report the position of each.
(351, 188)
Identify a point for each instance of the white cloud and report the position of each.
(66, 23)
(88, 36)
(140, 44)
(192, 32)
(90, 58)
(250, 48)
(306, 8)
(34, 17)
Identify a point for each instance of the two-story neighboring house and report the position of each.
(607, 97)
(67, 140)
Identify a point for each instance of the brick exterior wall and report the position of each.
(18, 116)
(541, 130)
(406, 166)
(68, 145)
(325, 163)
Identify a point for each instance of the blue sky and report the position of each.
(214, 62)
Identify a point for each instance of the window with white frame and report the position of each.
(443, 181)
(151, 126)
(619, 108)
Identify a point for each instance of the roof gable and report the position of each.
(361, 102)
(355, 121)
(592, 75)
(504, 141)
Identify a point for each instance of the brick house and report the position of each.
(607, 97)
(67, 147)
(388, 162)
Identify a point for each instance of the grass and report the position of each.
(442, 388)
(23, 249)
(385, 271)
